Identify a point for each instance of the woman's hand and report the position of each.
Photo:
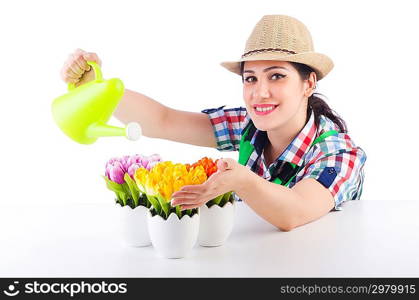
(76, 70)
(226, 179)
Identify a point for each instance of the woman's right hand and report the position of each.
(76, 70)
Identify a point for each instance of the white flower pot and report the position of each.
(216, 224)
(173, 238)
(133, 223)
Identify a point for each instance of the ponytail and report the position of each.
(320, 107)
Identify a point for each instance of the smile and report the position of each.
(265, 109)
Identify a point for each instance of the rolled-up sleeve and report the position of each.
(228, 125)
(342, 173)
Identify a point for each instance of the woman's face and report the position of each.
(274, 93)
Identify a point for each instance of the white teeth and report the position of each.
(265, 108)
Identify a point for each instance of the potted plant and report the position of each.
(131, 203)
(217, 215)
(173, 232)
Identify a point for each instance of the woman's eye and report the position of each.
(250, 79)
(277, 75)
(274, 76)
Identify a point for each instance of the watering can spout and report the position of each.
(132, 131)
(83, 112)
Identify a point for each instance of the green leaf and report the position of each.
(123, 197)
(178, 211)
(142, 200)
(164, 205)
(225, 198)
(118, 199)
(135, 193)
(140, 186)
(218, 199)
(210, 203)
(126, 189)
(113, 186)
(155, 203)
(145, 200)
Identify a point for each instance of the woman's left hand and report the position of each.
(224, 180)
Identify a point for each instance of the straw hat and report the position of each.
(280, 37)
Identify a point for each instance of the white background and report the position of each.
(170, 51)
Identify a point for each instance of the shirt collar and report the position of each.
(296, 150)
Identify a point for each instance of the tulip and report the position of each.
(124, 161)
(163, 180)
(210, 168)
(142, 179)
(135, 159)
(132, 168)
(127, 188)
(131, 163)
(197, 175)
(116, 173)
(109, 166)
(155, 157)
(208, 164)
(151, 164)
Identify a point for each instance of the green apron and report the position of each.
(288, 170)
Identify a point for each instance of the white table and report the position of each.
(366, 239)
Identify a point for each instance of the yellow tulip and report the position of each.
(140, 177)
(150, 186)
(198, 175)
(179, 171)
(165, 189)
(165, 178)
(178, 184)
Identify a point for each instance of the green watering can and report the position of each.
(83, 112)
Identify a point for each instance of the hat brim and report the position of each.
(319, 62)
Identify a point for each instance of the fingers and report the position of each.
(183, 197)
(80, 61)
(183, 201)
(90, 56)
(225, 164)
(76, 65)
(198, 189)
(67, 74)
(186, 194)
(190, 206)
(220, 165)
(72, 71)
(75, 69)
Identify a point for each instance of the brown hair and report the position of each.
(315, 101)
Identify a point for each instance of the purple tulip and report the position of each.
(116, 173)
(152, 161)
(112, 160)
(135, 159)
(152, 164)
(124, 162)
(117, 167)
(109, 166)
(155, 157)
(142, 161)
(132, 169)
(115, 170)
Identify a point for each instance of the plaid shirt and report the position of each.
(335, 162)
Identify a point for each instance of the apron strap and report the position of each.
(287, 171)
(246, 148)
(287, 178)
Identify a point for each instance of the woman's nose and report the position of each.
(262, 90)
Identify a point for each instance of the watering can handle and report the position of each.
(96, 69)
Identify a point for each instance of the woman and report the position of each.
(296, 160)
